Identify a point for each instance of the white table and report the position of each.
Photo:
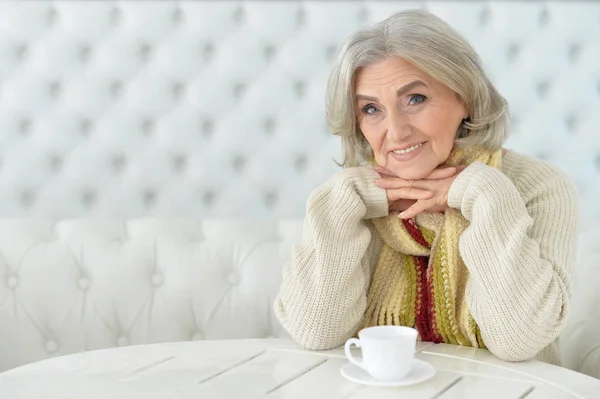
(277, 369)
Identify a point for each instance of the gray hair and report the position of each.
(434, 47)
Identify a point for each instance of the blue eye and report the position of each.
(369, 109)
(416, 99)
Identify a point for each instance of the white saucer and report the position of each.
(421, 371)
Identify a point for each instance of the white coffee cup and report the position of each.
(388, 351)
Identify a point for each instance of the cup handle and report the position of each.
(352, 359)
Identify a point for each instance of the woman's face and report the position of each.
(409, 119)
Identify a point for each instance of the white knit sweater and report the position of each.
(519, 249)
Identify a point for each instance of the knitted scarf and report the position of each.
(420, 279)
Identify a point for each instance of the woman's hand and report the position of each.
(411, 197)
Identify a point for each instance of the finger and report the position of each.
(401, 205)
(390, 182)
(396, 182)
(383, 171)
(442, 173)
(419, 207)
(408, 193)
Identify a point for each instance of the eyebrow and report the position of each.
(399, 92)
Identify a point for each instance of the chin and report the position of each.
(412, 173)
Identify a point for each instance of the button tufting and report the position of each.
(145, 51)
(207, 128)
(88, 198)
(270, 198)
(300, 163)
(238, 163)
(149, 197)
(55, 89)
(300, 18)
(363, 15)
(55, 163)
(233, 278)
(239, 15)
(12, 282)
(179, 162)
(238, 90)
(51, 346)
(574, 52)
(300, 88)
(85, 125)
(544, 17)
(27, 198)
(542, 88)
(84, 283)
(21, 52)
(118, 162)
(177, 16)
(208, 198)
(115, 16)
(513, 51)
(197, 337)
(178, 90)
(116, 89)
(269, 126)
(485, 16)
(25, 126)
(122, 341)
(157, 280)
(84, 53)
(208, 51)
(269, 52)
(330, 51)
(571, 123)
(52, 16)
(147, 126)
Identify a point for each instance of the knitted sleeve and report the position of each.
(322, 297)
(519, 249)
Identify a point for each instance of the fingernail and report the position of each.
(401, 215)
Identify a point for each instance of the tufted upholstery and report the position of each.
(137, 137)
(210, 109)
(80, 285)
(77, 285)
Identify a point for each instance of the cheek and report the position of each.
(372, 135)
(439, 127)
(375, 140)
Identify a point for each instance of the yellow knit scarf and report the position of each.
(420, 279)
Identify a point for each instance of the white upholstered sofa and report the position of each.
(75, 285)
(155, 157)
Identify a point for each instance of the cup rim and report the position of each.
(406, 331)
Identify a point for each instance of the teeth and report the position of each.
(409, 149)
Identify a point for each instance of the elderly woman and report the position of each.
(431, 223)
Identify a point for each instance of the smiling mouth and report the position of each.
(409, 149)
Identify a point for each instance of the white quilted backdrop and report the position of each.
(204, 110)
(216, 109)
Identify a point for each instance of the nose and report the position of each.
(398, 128)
